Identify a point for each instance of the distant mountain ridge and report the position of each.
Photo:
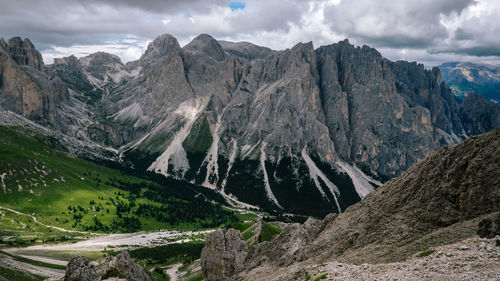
(465, 77)
(302, 130)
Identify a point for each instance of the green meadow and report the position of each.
(42, 180)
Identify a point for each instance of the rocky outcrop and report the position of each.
(223, 255)
(470, 259)
(479, 115)
(25, 86)
(281, 251)
(79, 269)
(123, 265)
(119, 267)
(24, 53)
(440, 200)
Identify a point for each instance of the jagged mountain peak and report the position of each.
(18, 41)
(23, 52)
(162, 45)
(205, 44)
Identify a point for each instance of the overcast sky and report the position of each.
(428, 31)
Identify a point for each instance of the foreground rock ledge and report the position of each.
(121, 266)
(223, 255)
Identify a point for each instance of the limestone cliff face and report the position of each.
(223, 255)
(325, 125)
(479, 115)
(381, 114)
(300, 130)
(25, 87)
(24, 53)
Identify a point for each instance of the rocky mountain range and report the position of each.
(445, 199)
(302, 130)
(465, 77)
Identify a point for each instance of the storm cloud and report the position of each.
(428, 31)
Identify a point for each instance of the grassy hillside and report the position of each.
(72, 193)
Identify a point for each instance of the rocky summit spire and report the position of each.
(206, 45)
(24, 52)
(161, 46)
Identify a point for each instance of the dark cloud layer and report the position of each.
(432, 31)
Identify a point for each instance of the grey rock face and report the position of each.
(102, 64)
(282, 250)
(122, 264)
(223, 255)
(24, 53)
(161, 46)
(408, 101)
(79, 269)
(204, 46)
(114, 268)
(478, 115)
(25, 87)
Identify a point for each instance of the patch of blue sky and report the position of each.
(237, 5)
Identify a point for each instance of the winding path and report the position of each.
(41, 223)
(172, 271)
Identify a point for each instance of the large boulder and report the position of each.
(79, 269)
(223, 255)
(122, 265)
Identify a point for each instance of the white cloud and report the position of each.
(425, 30)
(127, 50)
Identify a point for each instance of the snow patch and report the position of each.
(314, 173)
(359, 179)
(175, 154)
(267, 186)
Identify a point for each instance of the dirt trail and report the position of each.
(45, 259)
(172, 271)
(9, 262)
(41, 223)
